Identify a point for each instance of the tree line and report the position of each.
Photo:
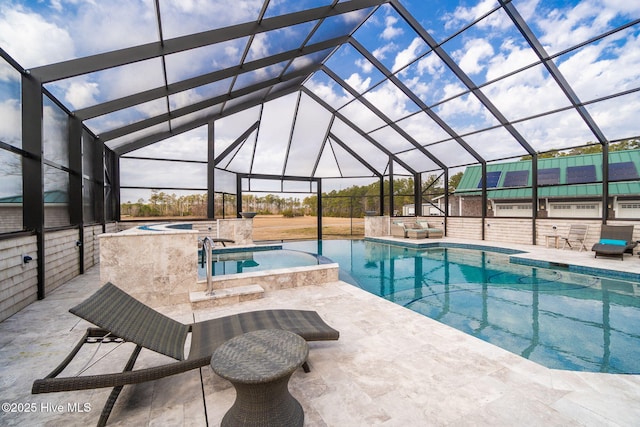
(354, 201)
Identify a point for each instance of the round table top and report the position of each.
(260, 356)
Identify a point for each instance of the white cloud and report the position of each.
(364, 65)
(31, 39)
(471, 57)
(563, 28)
(381, 52)
(604, 68)
(409, 53)
(418, 86)
(190, 16)
(390, 100)
(431, 64)
(354, 17)
(463, 15)
(8, 73)
(260, 47)
(356, 82)
(390, 32)
(510, 57)
(327, 93)
(10, 122)
(81, 94)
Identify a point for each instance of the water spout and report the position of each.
(207, 251)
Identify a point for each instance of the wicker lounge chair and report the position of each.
(576, 236)
(432, 232)
(123, 318)
(615, 240)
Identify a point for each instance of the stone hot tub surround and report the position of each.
(158, 267)
(158, 264)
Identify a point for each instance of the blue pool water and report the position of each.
(557, 318)
(230, 262)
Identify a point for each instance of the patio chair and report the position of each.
(576, 236)
(615, 240)
(432, 231)
(123, 318)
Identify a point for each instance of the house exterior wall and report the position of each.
(10, 218)
(62, 257)
(18, 280)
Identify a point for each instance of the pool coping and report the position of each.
(518, 256)
(250, 248)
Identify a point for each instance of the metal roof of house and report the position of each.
(470, 181)
(49, 197)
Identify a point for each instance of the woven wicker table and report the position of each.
(259, 365)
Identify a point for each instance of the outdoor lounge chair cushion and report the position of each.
(431, 230)
(613, 242)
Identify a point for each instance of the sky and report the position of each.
(37, 33)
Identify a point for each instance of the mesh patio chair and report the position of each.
(121, 317)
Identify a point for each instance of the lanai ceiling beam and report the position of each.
(415, 98)
(103, 61)
(464, 78)
(355, 155)
(553, 70)
(173, 88)
(151, 139)
(382, 116)
(152, 121)
(358, 130)
(242, 138)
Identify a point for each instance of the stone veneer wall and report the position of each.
(376, 226)
(157, 267)
(272, 280)
(18, 281)
(509, 230)
(513, 230)
(464, 228)
(239, 230)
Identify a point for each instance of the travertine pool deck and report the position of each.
(391, 367)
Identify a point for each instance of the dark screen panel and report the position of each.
(550, 176)
(581, 174)
(622, 170)
(516, 179)
(492, 179)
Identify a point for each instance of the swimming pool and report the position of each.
(557, 318)
(259, 259)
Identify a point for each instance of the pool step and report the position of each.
(225, 296)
